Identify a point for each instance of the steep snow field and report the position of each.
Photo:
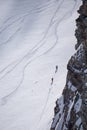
(35, 36)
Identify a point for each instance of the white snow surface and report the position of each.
(35, 36)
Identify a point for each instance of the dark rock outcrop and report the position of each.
(70, 112)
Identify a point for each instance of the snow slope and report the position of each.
(35, 36)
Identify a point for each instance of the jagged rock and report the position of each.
(70, 112)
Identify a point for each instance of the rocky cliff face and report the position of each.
(70, 112)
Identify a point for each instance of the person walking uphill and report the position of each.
(51, 81)
(56, 69)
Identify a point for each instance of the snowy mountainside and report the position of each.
(35, 36)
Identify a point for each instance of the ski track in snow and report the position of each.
(36, 47)
(33, 53)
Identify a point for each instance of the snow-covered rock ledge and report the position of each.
(70, 112)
